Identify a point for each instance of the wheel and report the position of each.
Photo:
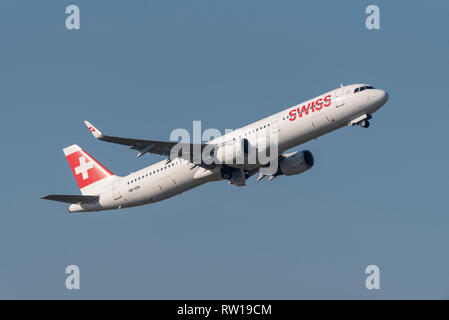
(226, 172)
(364, 124)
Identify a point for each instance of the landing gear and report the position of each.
(364, 124)
(226, 176)
(226, 172)
(361, 121)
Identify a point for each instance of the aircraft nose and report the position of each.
(383, 97)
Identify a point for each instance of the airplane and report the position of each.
(182, 170)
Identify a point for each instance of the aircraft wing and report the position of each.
(162, 148)
(77, 199)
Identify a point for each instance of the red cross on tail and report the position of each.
(85, 168)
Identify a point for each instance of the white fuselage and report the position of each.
(294, 126)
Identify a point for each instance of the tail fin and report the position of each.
(87, 171)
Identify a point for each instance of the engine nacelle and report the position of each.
(296, 163)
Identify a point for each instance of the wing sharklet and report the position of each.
(96, 133)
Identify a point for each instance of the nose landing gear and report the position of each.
(364, 123)
(361, 121)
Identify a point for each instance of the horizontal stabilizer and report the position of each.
(77, 199)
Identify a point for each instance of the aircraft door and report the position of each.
(338, 102)
(116, 191)
(166, 183)
(339, 97)
(271, 142)
(274, 124)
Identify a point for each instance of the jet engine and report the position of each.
(295, 163)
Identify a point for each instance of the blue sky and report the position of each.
(143, 68)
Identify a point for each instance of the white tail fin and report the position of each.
(87, 171)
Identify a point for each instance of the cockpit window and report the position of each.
(363, 88)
